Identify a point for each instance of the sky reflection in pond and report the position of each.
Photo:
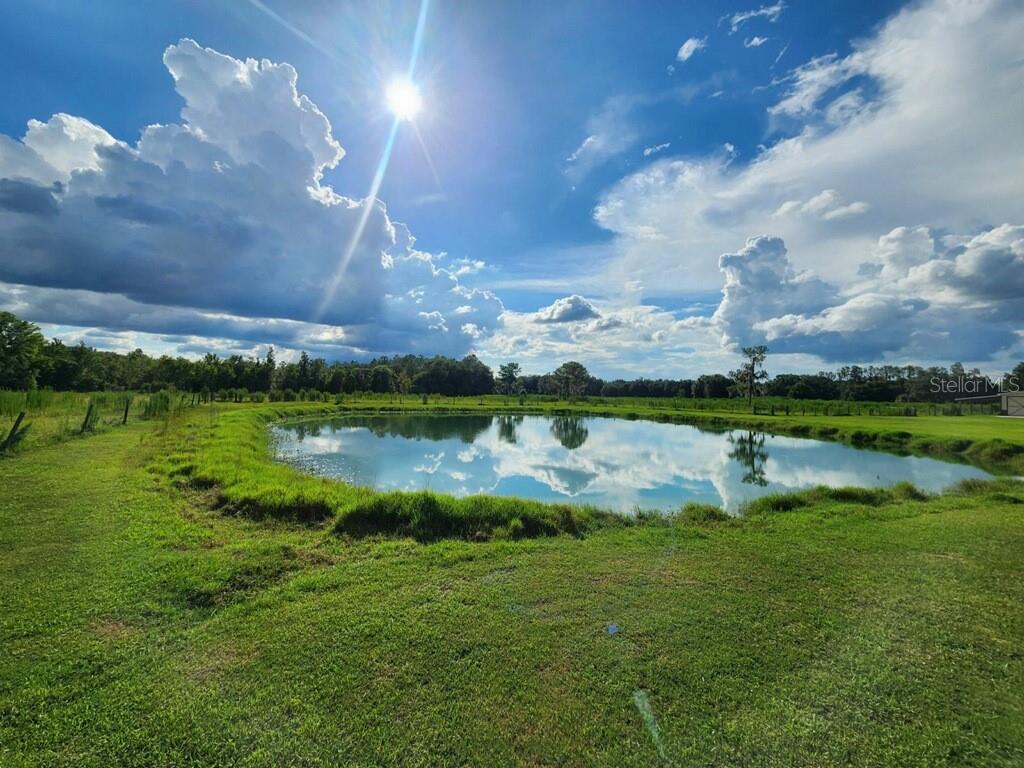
(613, 463)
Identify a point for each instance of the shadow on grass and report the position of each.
(427, 516)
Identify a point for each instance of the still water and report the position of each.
(612, 463)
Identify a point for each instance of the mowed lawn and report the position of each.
(141, 627)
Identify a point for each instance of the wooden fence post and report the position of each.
(14, 435)
(85, 423)
(127, 403)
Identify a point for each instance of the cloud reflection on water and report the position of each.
(613, 463)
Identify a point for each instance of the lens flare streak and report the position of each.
(378, 176)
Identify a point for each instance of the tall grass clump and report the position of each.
(428, 516)
(157, 404)
(11, 403)
(33, 401)
(695, 512)
(823, 495)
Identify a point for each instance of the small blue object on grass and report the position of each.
(613, 629)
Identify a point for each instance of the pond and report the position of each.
(612, 463)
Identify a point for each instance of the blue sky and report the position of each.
(574, 156)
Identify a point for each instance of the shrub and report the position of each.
(872, 497)
(971, 487)
(905, 491)
(777, 502)
(695, 512)
(859, 437)
(516, 529)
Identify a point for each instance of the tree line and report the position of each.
(28, 361)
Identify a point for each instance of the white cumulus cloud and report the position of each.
(567, 310)
(690, 47)
(958, 297)
(770, 13)
(219, 226)
(934, 142)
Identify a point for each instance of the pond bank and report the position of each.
(227, 449)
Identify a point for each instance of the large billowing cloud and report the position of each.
(960, 296)
(912, 136)
(919, 126)
(920, 298)
(219, 226)
(761, 283)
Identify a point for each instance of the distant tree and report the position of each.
(571, 379)
(748, 376)
(57, 370)
(318, 373)
(404, 383)
(712, 385)
(21, 347)
(381, 379)
(473, 377)
(136, 366)
(800, 391)
(444, 376)
(305, 372)
(802, 386)
(434, 378)
(647, 388)
(265, 372)
(508, 374)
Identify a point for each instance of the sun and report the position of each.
(404, 99)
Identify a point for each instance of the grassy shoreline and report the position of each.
(227, 449)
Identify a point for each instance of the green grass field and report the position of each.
(169, 597)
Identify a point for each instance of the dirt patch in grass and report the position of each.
(212, 663)
(113, 629)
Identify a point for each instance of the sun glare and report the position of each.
(404, 99)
